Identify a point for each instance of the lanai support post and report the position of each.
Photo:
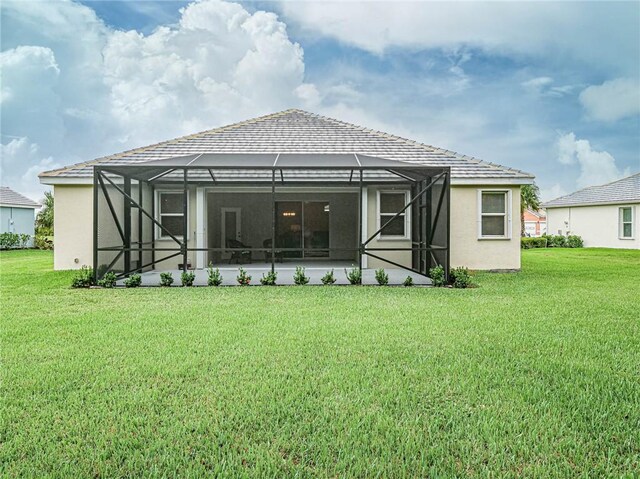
(360, 218)
(127, 225)
(273, 220)
(185, 212)
(95, 224)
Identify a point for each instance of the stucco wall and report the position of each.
(597, 225)
(73, 226)
(466, 249)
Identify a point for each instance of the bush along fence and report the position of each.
(15, 241)
(552, 241)
(458, 278)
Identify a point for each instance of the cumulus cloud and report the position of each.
(596, 167)
(116, 89)
(544, 86)
(20, 152)
(613, 100)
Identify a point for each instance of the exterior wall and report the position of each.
(534, 225)
(597, 225)
(73, 226)
(17, 220)
(482, 254)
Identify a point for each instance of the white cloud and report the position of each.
(552, 192)
(604, 35)
(596, 167)
(613, 100)
(79, 89)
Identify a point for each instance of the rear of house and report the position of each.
(604, 215)
(287, 187)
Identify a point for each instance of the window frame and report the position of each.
(158, 232)
(406, 214)
(621, 223)
(508, 216)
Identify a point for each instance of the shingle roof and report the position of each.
(297, 131)
(9, 197)
(626, 190)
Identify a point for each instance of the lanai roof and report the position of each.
(300, 132)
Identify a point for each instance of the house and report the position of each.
(604, 216)
(535, 223)
(17, 212)
(289, 187)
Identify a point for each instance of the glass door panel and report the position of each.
(316, 229)
(289, 227)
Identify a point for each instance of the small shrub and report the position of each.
(43, 242)
(354, 275)
(437, 276)
(460, 277)
(83, 278)
(574, 241)
(408, 281)
(214, 276)
(269, 279)
(555, 241)
(381, 277)
(25, 239)
(133, 281)
(166, 278)
(299, 277)
(329, 278)
(9, 240)
(187, 278)
(108, 280)
(243, 278)
(529, 243)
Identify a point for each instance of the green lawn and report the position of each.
(534, 374)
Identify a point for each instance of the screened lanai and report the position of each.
(269, 210)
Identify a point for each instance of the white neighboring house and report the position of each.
(604, 216)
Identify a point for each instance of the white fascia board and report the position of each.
(65, 180)
(491, 181)
(7, 205)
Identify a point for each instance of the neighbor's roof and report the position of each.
(8, 197)
(626, 190)
(297, 131)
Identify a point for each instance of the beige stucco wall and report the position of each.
(482, 254)
(73, 226)
(597, 225)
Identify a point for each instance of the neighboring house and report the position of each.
(535, 223)
(604, 216)
(17, 212)
(320, 188)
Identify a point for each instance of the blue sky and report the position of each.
(552, 88)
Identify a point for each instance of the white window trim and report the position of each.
(407, 217)
(508, 214)
(158, 233)
(621, 223)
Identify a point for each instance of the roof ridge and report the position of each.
(140, 149)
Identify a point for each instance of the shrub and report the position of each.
(269, 279)
(460, 277)
(9, 240)
(529, 243)
(408, 281)
(133, 281)
(166, 278)
(187, 278)
(437, 276)
(25, 239)
(299, 277)
(83, 278)
(354, 275)
(328, 278)
(43, 242)
(574, 241)
(214, 276)
(108, 280)
(243, 278)
(381, 277)
(555, 241)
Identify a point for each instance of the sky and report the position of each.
(551, 88)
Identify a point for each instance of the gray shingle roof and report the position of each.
(8, 197)
(626, 190)
(297, 131)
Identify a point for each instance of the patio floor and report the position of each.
(314, 270)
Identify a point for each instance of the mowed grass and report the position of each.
(534, 374)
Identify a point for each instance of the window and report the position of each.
(170, 214)
(389, 204)
(495, 214)
(626, 222)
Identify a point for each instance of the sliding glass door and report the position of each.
(303, 225)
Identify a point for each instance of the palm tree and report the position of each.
(44, 220)
(529, 200)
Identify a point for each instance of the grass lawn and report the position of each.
(532, 374)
